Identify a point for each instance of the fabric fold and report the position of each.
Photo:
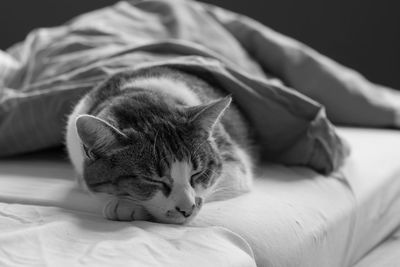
(282, 86)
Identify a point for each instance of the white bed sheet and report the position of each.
(293, 217)
(46, 236)
(46, 221)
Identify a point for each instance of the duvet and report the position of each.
(284, 87)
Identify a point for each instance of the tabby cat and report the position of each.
(158, 143)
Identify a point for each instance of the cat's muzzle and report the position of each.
(184, 213)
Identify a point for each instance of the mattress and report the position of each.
(293, 216)
(385, 254)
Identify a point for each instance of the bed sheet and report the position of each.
(46, 221)
(293, 217)
(47, 236)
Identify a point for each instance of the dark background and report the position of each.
(362, 34)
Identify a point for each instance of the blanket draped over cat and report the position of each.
(283, 87)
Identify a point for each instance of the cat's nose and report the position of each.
(186, 211)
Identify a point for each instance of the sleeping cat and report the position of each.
(156, 144)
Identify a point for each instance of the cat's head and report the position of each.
(166, 160)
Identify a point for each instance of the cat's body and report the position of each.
(161, 142)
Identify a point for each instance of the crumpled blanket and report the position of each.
(283, 87)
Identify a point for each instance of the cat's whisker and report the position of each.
(155, 141)
(131, 198)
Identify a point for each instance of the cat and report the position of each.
(156, 144)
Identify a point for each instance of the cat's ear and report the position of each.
(206, 116)
(97, 135)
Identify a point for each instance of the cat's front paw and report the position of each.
(123, 209)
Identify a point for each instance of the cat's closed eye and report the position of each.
(194, 176)
(152, 180)
(162, 182)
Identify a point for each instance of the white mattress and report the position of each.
(387, 254)
(293, 217)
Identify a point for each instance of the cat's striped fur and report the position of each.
(157, 143)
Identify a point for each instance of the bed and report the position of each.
(293, 217)
(384, 254)
(330, 197)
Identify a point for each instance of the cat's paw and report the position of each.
(122, 209)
